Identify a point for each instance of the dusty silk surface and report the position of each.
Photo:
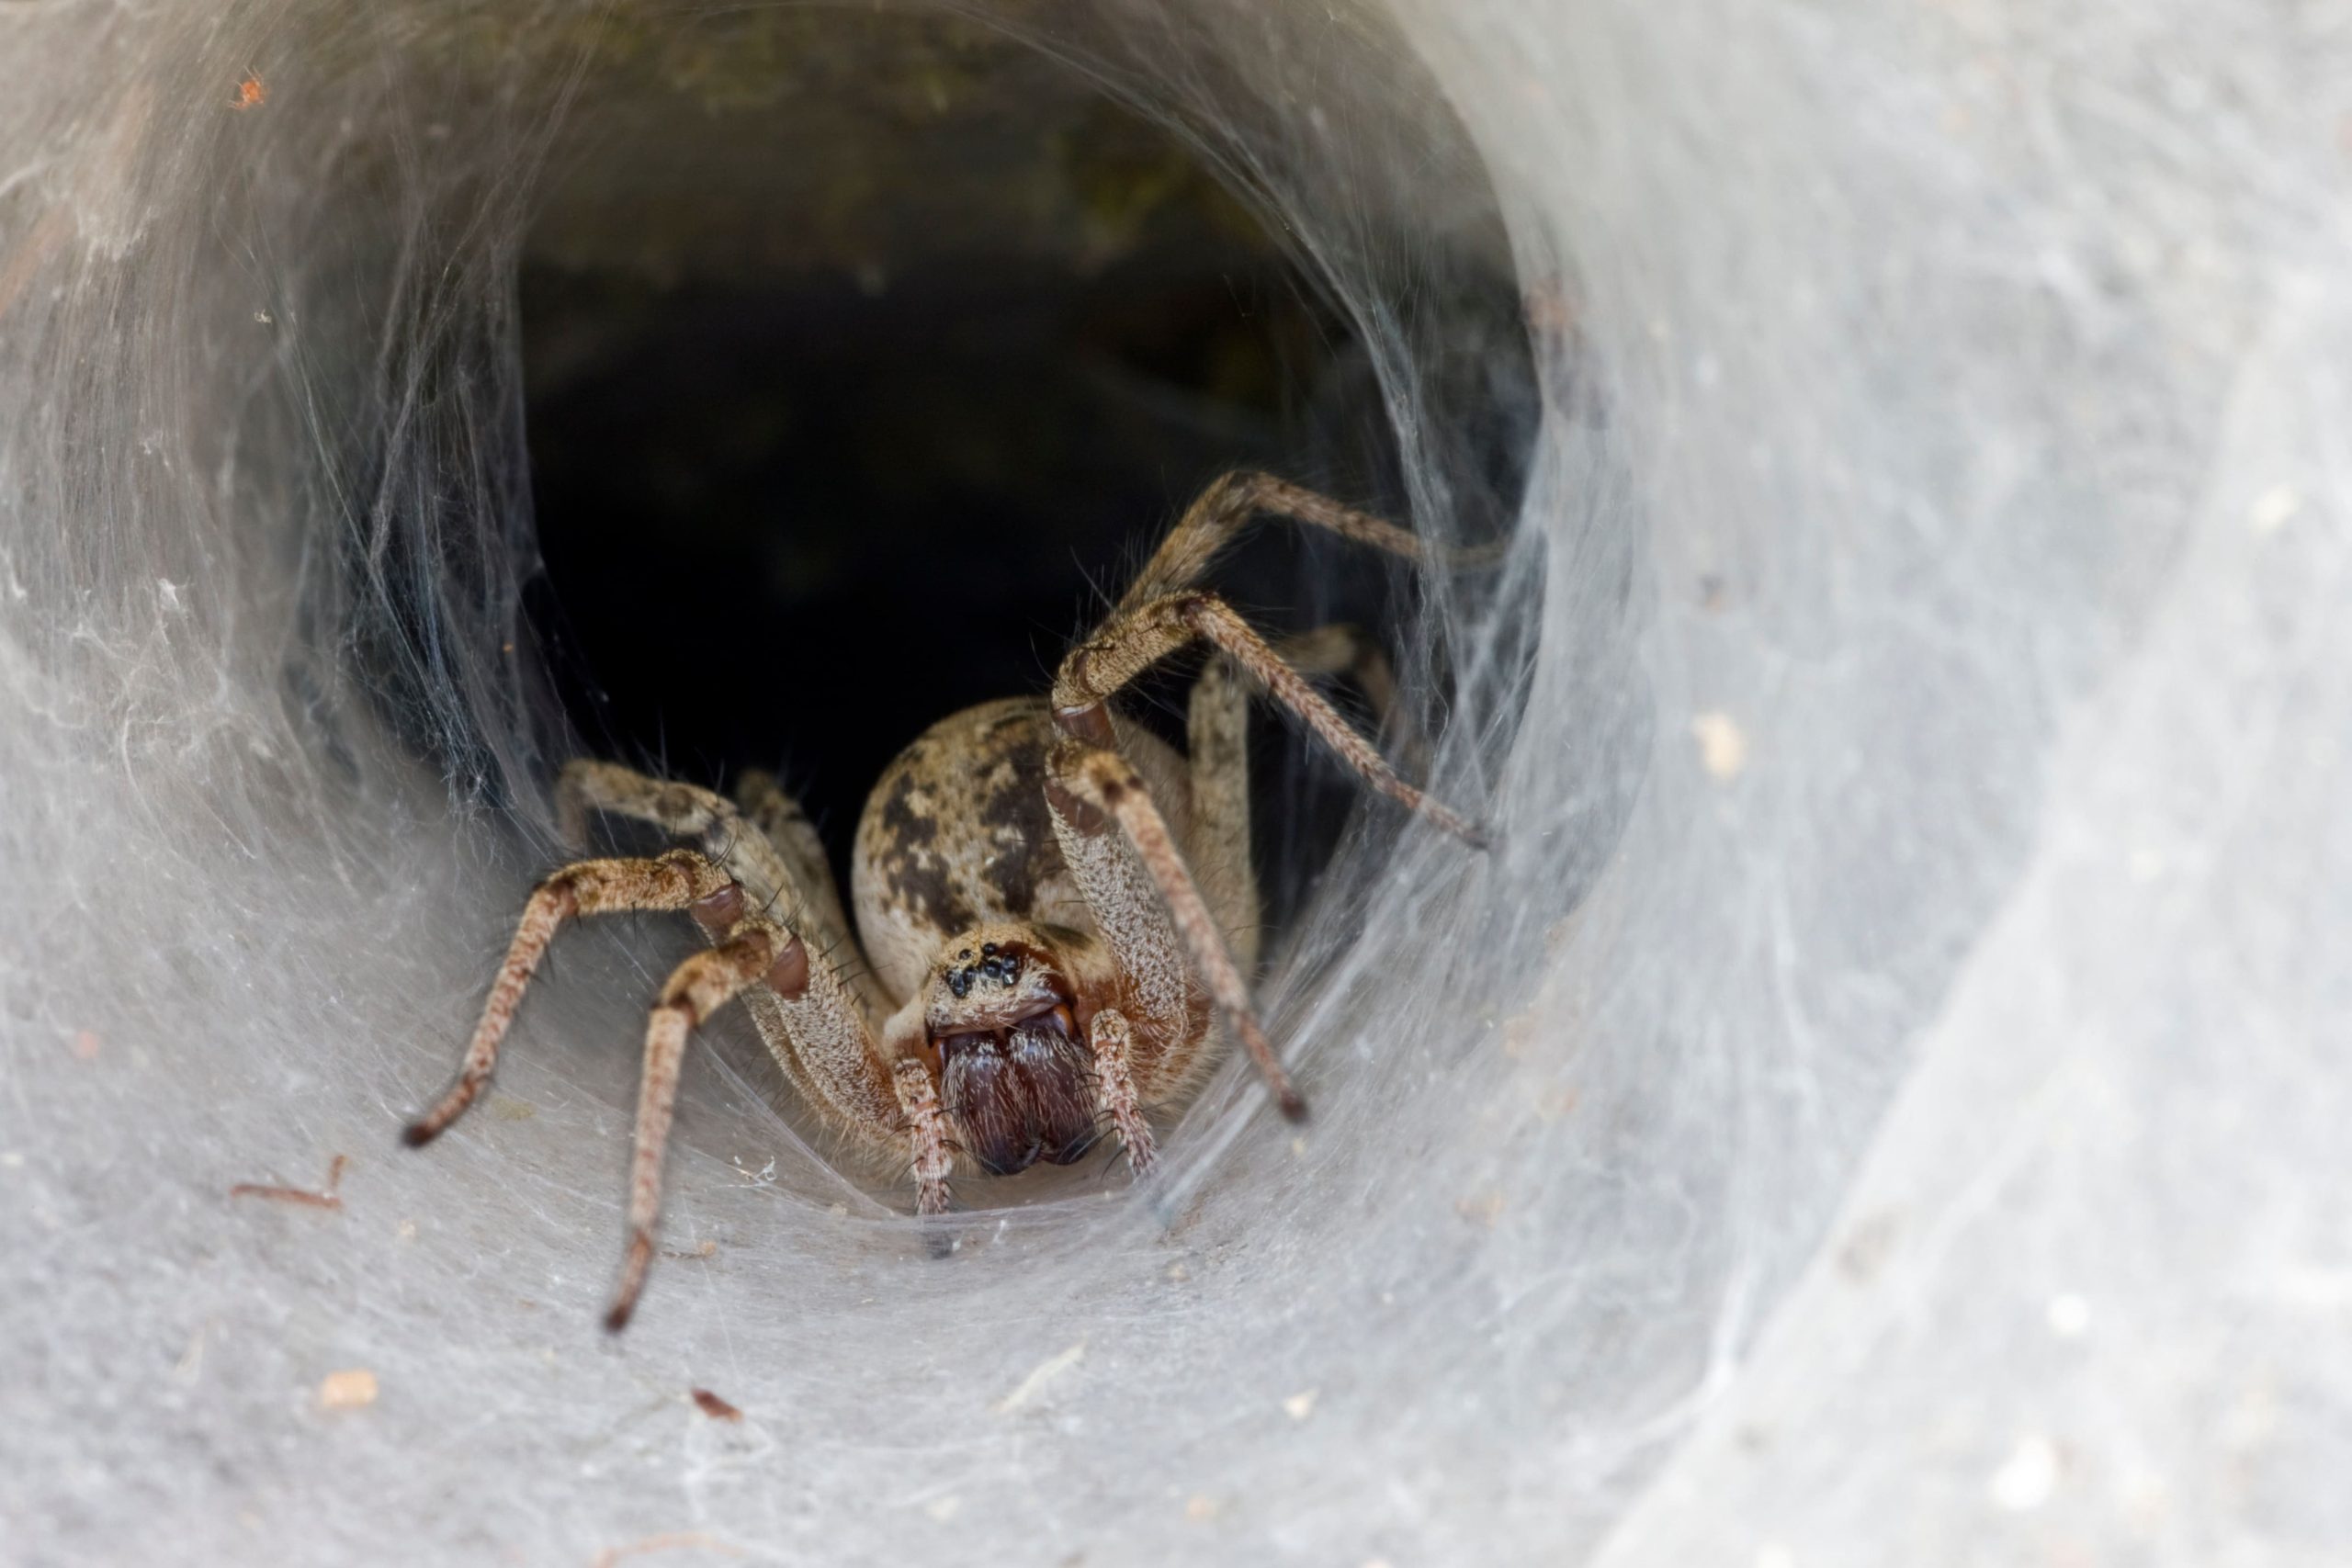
(1883, 1100)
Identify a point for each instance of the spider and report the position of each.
(1056, 907)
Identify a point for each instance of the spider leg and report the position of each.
(1088, 788)
(779, 816)
(1229, 505)
(1134, 640)
(1112, 1040)
(927, 1129)
(823, 1042)
(755, 951)
(1218, 754)
(1091, 787)
(1217, 734)
(810, 1020)
(1340, 648)
(677, 880)
(762, 838)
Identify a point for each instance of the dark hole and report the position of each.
(788, 520)
(790, 529)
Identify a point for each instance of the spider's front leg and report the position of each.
(817, 1019)
(1091, 787)
(678, 880)
(1219, 514)
(1136, 639)
(927, 1131)
(755, 951)
(1113, 1039)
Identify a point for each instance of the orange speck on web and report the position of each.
(715, 1408)
(251, 95)
(674, 1542)
(326, 1199)
(347, 1390)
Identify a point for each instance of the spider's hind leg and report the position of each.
(769, 807)
(1348, 651)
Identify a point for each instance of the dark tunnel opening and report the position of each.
(790, 512)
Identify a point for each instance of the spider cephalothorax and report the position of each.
(1016, 1080)
(1057, 909)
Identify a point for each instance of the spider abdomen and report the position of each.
(956, 834)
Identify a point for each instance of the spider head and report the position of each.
(1015, 1075)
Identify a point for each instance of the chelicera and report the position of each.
(1056, 910)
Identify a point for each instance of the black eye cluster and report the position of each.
(999, 969)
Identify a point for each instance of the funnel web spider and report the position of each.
(1055, 909)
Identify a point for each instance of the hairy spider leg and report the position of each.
(1134, 640)
(1217, 745)
(1111, 1039)
(1098, 788)
(756, 951)
(1094, 787)
(1222, 511)
(762, 838)
(676, 880)
(756, 957)
(823, 1042)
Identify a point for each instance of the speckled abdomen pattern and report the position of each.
(957, 833)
